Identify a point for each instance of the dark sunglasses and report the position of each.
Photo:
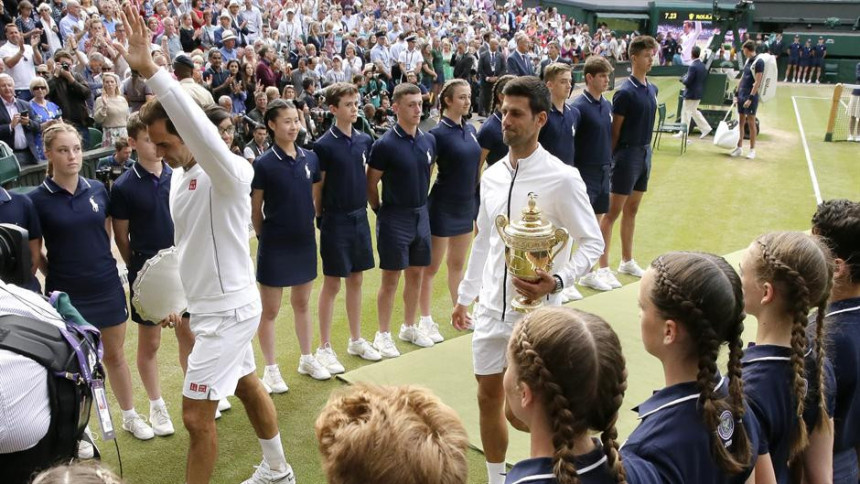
(38, 88)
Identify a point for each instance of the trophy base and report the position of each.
(523, 305)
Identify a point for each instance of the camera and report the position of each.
(108, 175)
(66, 66)
(15, 262)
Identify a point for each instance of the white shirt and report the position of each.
(25, 409)
(211, 209)
(20, 136)
(688, 41)
(411, 60)
(255, 22)
(25, 70)
(564, 202)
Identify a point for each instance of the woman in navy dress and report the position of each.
(565, 381)
(451, 201)
(784, 275)
(698, 428)
(73, 214)
(284, 200)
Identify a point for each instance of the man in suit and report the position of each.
(490, 67)
(694, 82)
(553, 55)
(16, 127)
(519, 63)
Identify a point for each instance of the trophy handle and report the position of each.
(561, 236)
(501, 223)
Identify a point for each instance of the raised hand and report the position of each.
(137, 55)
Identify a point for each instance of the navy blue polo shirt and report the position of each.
(769, 386)
(672, 444)
(73, 226)
(143, 199)
(458, 156)
(18, 210)
(842, 326)
(593, 140)
(591, 469)
(490, 138)
(557, 134)
(343, 159)
(820, 50)
(794, 50)
(806, 52)
(748, 78)
(637, 102)
(288, 203)
(405, 162)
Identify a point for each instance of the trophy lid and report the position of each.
(532, 224)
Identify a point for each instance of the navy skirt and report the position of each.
(283, 265)
(101, 303)
(451, 218)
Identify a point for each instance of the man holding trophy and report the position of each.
(530, 202)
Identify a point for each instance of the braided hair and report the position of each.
(801, 269)
(496, 102)
(703, 293)
(447, 93)
(573, 363)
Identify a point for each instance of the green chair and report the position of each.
(664, 127)
(831, 72)
(9, 169)
(95, 139)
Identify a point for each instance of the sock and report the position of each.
(273, 453)
(426, 319)
(272, 368)
(158, 403)
(496, 472)
(126, 414)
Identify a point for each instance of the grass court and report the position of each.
(703, 201)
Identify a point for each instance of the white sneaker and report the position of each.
(751, 155)
(608, 277)
(785, 80)
(385, 345)
(160, 419)
(138, 427)
(737, 152)
(705, 134)
(87, 446)
(224, 405)
(570, 294)
(818, 81)
(413, 334)
(431, 329)
(273, 381)
(265, 475)
(850, 138)
(363, 349)
(308, 365)
(217, 414)
(328, 358)
(631, 268)
(593, 280)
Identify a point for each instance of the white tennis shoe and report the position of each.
(384, 343)
(265, 475)
(272, 380)
(328, 358)
(138, 427)
(363, 350)
(594, 281)
(631, 268)
(431, 329)
(308, 365)
(413, 334)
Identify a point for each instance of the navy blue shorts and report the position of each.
(742, 98)
(805, 61)
(816, 62)
(403, 237)
(631, 168)
(597, 185)
(793, 61)
(284, 264)
(345, 244)
(451, 218)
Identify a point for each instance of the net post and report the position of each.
(834, 109)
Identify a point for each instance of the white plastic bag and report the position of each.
(727, 136)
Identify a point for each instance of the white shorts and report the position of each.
(222, 351)
(854, 106)
(490, 343)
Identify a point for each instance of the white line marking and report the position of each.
(811, 97)
(812, 176)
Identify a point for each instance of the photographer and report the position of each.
(70, 92)
(373, 87)
(111, 167)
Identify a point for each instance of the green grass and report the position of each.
(703, 200)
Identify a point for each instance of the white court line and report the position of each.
(812, 176)
(821, 98)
